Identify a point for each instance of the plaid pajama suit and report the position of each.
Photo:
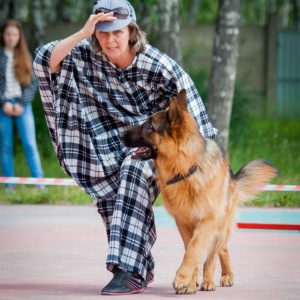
(87, 105)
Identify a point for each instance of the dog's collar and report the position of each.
(177, 178)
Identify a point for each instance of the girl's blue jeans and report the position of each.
(26, 128)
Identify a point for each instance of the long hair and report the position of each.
(137, 39)
(22, 58)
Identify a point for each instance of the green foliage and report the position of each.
(42, 133)
(276, 199)
(240, 114)
(277, 142)
(241, 103)
(255, 13)
(200, 78)
(51, 195)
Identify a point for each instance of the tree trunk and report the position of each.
(10, 9)
(223, 69)
(169, 29)
(37, 25)
(285, 11)
(297, 13)
(193, 12)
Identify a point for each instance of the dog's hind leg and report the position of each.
(227, 274)
(210, 264)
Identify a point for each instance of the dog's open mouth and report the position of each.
(142, 153)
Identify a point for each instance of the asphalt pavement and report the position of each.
(58, 252)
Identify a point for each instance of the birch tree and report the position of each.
(37, 25)
(223, 68)
(169, 29)
(193, 12)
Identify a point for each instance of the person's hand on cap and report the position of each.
(89, 27)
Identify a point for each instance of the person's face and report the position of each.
(11, 37)
(115, 44)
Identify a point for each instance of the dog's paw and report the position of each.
(190, 289)
(181, 282)
(207, 286)
(227, 280)
(186, 291)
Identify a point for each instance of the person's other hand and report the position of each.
(8, 108)
(18, 109)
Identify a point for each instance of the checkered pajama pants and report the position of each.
(129, 219)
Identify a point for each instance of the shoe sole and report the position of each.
(127, 293)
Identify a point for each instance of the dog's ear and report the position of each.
(181, 98)
(177, 105)
(174, 114)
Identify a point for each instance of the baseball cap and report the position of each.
(123, 11)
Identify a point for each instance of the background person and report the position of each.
(17, 89)
(94, 84)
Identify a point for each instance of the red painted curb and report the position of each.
(269, 226)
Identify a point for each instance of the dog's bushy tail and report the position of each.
(252, 176)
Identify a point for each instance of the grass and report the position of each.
(276, 141)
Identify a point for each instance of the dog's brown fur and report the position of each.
(204, 203)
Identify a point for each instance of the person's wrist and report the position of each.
(83, 34)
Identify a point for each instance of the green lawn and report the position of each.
(278, 142)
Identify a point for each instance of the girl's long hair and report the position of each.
(22, 58)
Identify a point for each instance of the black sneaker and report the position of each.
(124, 283)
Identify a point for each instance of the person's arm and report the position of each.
(62, 49)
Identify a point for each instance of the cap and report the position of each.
(118, 23)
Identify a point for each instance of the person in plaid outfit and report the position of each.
(94, 85)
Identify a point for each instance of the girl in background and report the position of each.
(17, 89)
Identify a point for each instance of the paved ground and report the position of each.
(58, 253)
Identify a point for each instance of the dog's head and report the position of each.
(160, 130)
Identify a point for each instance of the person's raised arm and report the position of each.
(62, 49)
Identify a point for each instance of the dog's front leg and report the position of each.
(187, 233)
(199, 244)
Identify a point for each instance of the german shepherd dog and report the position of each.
(198, 189)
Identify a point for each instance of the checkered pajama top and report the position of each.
(90, 101)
